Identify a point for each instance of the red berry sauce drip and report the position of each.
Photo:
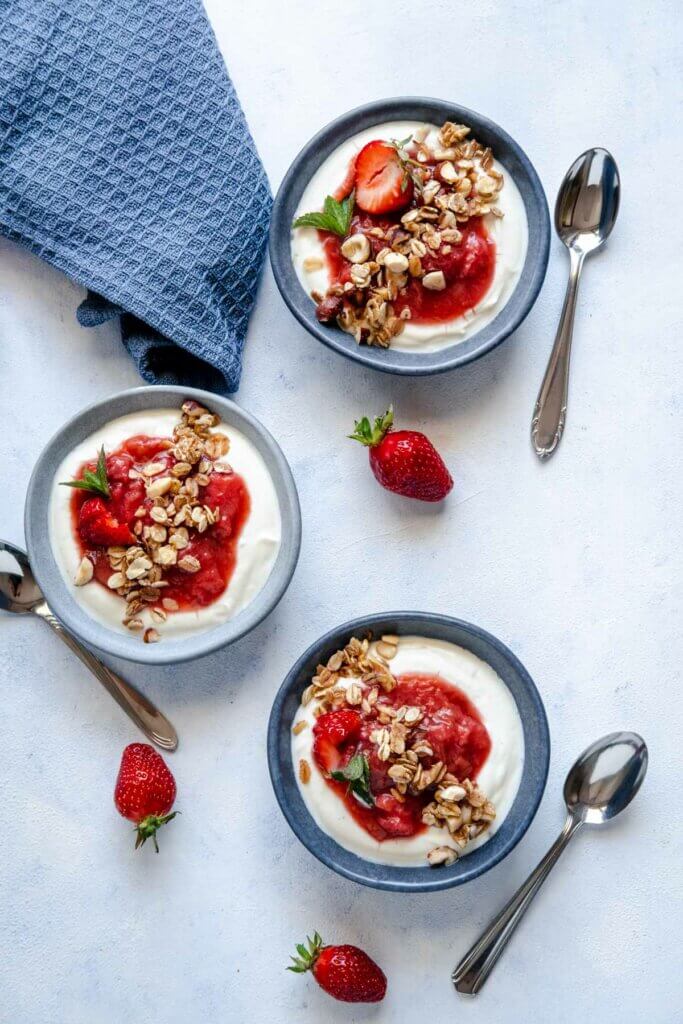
(451, 725)
(216, 548)
(468, 267)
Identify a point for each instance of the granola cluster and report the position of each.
(457, 806)
(452, 182)
(166, 527)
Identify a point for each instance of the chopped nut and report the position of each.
(356, 248)
(159, 487)
(304, 771)
(300, 726)
(396, 263)
(442, 856)
(85, 573)
(151, 636)
(434, 281)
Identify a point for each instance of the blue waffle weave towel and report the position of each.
(126, 162)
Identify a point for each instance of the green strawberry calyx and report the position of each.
(307, 954)
(373, 434)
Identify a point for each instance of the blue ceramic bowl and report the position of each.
(516, 163)
(534, 774)
(49, 576)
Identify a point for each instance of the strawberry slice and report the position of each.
(382, 184)
(97, 525)
(330, 732)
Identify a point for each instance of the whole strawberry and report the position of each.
(344, 972)
(404, 461)
(145, 791)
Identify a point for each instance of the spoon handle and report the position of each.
(475, 967)
(147, 718)
(550, 411)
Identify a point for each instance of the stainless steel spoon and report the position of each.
(20, 593)
(599, 786)
(585, 212)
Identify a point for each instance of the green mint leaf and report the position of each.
(336, 216)
(96, 482)
(357, 774)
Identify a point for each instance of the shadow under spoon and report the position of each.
(20, 594)
(585, 213)
(600, 784)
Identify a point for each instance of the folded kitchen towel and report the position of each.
(126, 162)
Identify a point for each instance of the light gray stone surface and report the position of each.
(575, 564)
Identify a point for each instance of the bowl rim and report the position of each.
(406, 879)
(49, 575)
(306, 163)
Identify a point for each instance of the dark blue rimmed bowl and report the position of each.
(531, 787)
(515, 162)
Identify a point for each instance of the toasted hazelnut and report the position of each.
(395, 263)
(356, 248)
(434, 281)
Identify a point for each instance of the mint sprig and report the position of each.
(357, 774)
(96, 482)
(336, 216)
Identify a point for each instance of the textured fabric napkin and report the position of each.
(126, 162)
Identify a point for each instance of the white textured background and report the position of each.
(575, 564)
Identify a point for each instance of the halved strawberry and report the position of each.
(97, 525)
(329, 733)
(382, 184)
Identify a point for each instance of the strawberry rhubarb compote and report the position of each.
(409, 750)
(410, 235)
(164, 522)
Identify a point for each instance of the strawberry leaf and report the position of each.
(357, 774)
(96, 482)
(336, 216)
(372, 434)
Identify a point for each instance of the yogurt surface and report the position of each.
(510, 234)
(499, 777)
(257, 546)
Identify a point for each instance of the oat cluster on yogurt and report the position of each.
(453, 179)
(454, 805)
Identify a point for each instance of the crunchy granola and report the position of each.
(167, 525)
(457, 806)
(453, 180)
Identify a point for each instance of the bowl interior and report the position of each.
(534, 774)
(515, 162)
(48, 573)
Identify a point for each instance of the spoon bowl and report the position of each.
(588, 201)
(606, 777)
(19, 592)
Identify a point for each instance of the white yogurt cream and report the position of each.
(509, 232)
(257, 546)
(498, 779)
